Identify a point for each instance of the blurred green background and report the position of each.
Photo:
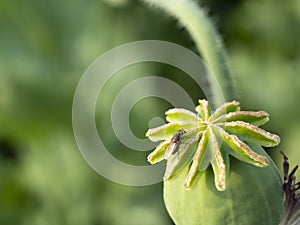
(45, 47)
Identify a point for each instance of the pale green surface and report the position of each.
(253, 197)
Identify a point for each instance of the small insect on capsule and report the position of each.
(174, 143)
(176, 139)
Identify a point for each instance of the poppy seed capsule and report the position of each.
(254, 196)
(217, 172)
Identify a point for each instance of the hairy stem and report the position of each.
(207, 40)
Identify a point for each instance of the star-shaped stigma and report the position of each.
(208, 138)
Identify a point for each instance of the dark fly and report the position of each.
(174, 143)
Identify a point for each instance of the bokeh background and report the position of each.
(45, 47)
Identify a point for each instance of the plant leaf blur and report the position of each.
(46, 47)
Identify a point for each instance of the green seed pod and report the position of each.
(254, 196)
(217, 172)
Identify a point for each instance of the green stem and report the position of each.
(207, 40)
